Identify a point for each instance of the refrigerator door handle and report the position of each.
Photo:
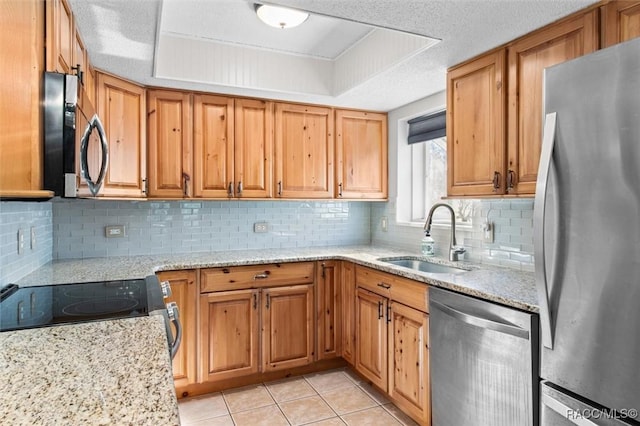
(481, 322)
(548, 141)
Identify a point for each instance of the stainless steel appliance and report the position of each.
(483, 362)
(587, 240)
(48, 305)
(76, 152)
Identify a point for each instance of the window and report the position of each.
(426, 149)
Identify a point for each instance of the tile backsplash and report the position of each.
(24, 215)
(513, 235)
(165, 227)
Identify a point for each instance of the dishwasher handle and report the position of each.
(481, 322)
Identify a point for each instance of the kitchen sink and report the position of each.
(423, 265)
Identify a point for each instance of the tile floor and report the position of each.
(335, 397)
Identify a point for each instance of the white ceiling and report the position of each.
(123, 38)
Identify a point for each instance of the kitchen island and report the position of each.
(115, 372)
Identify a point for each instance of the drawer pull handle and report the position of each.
(261, 276)
(384, 285)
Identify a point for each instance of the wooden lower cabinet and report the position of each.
(348, 305)
(184, 293)
(371, 337)
(329, 310)
(229, 334)
(287, 327)
(409, 382)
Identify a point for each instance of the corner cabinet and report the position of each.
(121, 106)
(184, 293)
(476, 149)
(170, 144)
(303, 151)
(620, 21)
(361, 155)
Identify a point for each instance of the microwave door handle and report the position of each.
(548, 141)
(174, 317)
(94, 123)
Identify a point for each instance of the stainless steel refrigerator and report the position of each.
(587, 240)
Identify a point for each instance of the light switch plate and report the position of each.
(487, 232)
(383, 223)
(33, 237)
(261, 227)
(20, 241)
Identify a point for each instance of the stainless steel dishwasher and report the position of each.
(484, 362)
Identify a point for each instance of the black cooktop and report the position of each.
(42, 306)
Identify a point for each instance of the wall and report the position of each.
(197, 226)
(23, 215)
(513, 244)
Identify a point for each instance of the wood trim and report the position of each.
(329, 309)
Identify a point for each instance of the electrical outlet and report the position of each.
(33, 237)
(20, 241)
(383, 223)
(114, 231)
(260, 227)
(487, 232)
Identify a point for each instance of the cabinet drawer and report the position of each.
(403, 290)
(255, 276)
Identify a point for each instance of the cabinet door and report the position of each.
(60, 36)
(184, 293)
(528, 58)
(329, 309)
(620, 21)
(287, 327)
(79, 55)
(303, 151)
(121, 107)
(22, 47)
(213, 146)
(170, 144)
(409, 361)
(475, 127)
(253, 148)
(229, 334)
(371, 337)
(348, 290)
(361, 154)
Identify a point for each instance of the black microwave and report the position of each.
(76, 152)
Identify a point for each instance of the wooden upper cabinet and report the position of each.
(213, 137)
(121, 106)
(185, 294)
(22, 47)
(253, 149)
(60, 36)
(620, 21)
(361, 154)
(303, 151)
(80, 60)
(528, 57)
(170, 144)
(476, 126)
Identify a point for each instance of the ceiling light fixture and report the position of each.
(280, 17)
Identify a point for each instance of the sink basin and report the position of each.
(424, 266)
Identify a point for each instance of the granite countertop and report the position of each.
(99, 373)
(506, 286)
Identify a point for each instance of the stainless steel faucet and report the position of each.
(454, 250)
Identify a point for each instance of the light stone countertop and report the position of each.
(114, 372)
(506, 286)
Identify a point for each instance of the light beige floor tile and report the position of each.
(286, 390)
(334, 421)
(378, 396)
(306, 410)
(399, 415)
(376, 416)
(354, 376)
(328, 380)
(247, 398)
(267, 416)
(347, 400)
(216, 421)
(202, 407)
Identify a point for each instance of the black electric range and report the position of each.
(41, 306)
